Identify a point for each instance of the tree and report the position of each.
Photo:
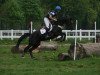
(17, 13)
(32, 10)
(85, 11)
(11, 14)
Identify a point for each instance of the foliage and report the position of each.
(85, 11)
(14, 13)
(11, 14)
(32, 9)
(17, 13)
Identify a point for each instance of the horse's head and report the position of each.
(66, 21)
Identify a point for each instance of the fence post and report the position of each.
(75, 41)
(31, 27)
(95, 32)
(80, 35)
(1, 35)
(23, 32)
(89, 34)
(66, 34)
(12, 34)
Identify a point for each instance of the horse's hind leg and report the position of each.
(21, 38)
(25, 50)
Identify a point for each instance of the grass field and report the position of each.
(47, 63)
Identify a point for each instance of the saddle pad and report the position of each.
(42, 31)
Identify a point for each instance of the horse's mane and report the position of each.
(67, 22)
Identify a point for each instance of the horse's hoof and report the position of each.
(33, 58)
(22, 57)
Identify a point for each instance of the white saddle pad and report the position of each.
(42, 31)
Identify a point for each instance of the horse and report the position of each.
(36, 37)
(66, 21)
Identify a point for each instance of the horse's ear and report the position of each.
(71, 27)
(72, 24)
(69, 23)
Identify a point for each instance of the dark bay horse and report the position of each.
(36, 37)
(66, 21)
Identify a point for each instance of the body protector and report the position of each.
(48, 20)
(48, 24)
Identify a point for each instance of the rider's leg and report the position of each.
(21, 38)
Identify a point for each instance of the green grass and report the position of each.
(25, 41)
(47, 63)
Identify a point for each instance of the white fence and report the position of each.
(69, 34)
(81, 34)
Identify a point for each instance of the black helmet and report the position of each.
(52, 13)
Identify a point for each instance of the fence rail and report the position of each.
(12, 34)
(81, 34)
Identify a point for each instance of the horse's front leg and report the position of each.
(25, 50)
(33, 48)
(30, 52)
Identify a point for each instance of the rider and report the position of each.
(50, 18)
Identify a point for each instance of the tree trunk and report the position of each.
(83, 50)
(48, 46)
(43, 46)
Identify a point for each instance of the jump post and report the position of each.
(75, 40)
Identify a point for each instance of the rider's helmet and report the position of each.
(52, 15)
